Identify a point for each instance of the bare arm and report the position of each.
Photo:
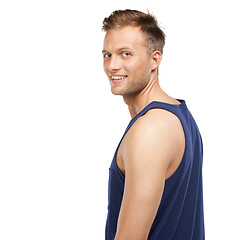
(148, 152)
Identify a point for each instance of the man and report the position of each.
(155, 179)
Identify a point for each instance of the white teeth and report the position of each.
(117, 77)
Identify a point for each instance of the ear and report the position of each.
(156, 59)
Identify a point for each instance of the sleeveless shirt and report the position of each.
(180, 213)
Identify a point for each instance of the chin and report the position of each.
(117, 93)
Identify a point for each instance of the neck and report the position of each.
(151, 92)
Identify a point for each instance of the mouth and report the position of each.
(115, 79)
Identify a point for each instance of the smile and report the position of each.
(117, 77)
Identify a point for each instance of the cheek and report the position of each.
(105, 67)
(131, 66)
(137, 64)
(140, 69)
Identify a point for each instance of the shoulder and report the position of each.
(156, 123)
(154, 137)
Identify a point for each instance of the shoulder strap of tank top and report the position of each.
(170, 107)
(141, 113)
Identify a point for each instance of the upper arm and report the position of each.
(147, 154)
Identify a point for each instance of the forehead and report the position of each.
(127, 37)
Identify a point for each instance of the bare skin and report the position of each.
(153, 148)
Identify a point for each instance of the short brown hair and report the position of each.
(148, 24)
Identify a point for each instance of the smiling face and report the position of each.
(126, 62)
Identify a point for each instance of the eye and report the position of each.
(126, 54)
(107, 55)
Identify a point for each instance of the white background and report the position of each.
(60, 124)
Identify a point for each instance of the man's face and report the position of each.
(125, 61)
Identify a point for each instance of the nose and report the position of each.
(114, 64)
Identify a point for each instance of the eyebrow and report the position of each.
(118, 50)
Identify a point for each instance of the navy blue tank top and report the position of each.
(180, 214)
